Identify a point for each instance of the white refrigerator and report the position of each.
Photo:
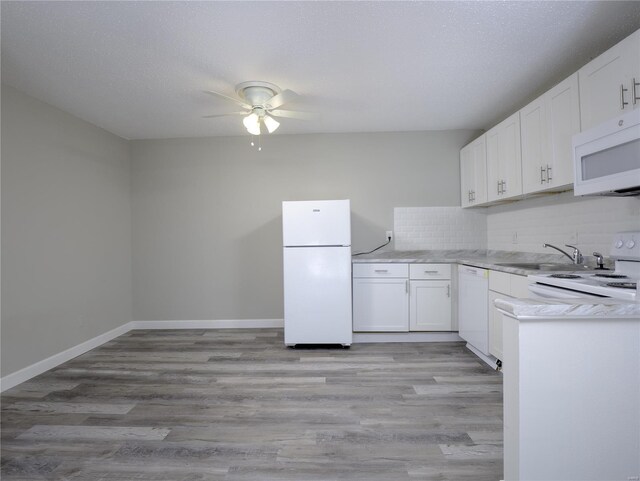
(317, 272)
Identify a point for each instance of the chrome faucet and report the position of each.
(576, 257)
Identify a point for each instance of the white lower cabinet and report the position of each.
(401, 297)
(380, 305)
(502, 286)
(430, 306)
(380, 297)
(495, 326)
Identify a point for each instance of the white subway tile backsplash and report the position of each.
(523, 226)
(432, 228)
(559, 219)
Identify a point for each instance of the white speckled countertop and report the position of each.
(522, 309)
(587, 308)
(479, 258)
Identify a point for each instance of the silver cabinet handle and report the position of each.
(549, 178)
(543, 171)
(448, 290)
(469, 196)
(498, 187)
(430, 272)
(406, 287)
(380, 270)
(622, 102)
(635, 94)
(504, 186)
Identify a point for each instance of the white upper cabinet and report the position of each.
(473, 173)
(547, 125)
(504, 166)
(610, 84)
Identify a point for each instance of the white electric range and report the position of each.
(621, 283)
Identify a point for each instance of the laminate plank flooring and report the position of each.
(236, 405)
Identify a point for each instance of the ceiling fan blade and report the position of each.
(223, 115)
(237, 101)
(282, 98)
(291, 114)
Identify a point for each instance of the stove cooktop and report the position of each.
(615, 285)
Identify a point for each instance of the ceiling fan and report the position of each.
(260, 101)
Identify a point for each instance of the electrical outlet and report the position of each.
(389, 234)
(514, 238)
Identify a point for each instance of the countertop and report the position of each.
(586, 308)
(479, 258)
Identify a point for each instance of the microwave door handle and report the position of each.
(635, 85)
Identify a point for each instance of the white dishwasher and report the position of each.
(473, 306)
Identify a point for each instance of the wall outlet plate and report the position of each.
(389, 235)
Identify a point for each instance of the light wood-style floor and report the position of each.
(237, 405)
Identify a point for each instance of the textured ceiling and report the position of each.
(138, 69)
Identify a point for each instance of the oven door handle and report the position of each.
(555, 293)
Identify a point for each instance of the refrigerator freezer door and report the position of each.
(316, 223)
(317, 295)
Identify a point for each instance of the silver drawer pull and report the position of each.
(430, 272)
(635, 97)
(380, 270)
(448, 290)
(549, 178)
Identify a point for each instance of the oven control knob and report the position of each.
(619, 244)
(630, 244)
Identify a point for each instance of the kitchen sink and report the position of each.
(543, 266)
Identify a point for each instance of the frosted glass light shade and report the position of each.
(252, 123)
(271, 124)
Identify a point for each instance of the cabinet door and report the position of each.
(632, 64)
(466, 175)
(479, 185)
(430, 306)
(380, 305)
(495, 326)
(510, 156)
(493, 168)
(504, 164)
(534, 144)
(546, 126)
(563, 121)
(602, 80)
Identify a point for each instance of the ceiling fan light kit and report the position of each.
(261, 101)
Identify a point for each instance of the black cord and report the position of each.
(379, 247)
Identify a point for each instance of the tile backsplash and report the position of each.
(559, 219)
(588, 222)
(426, 228)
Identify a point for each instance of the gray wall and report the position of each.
(207, 224)
(66, 231)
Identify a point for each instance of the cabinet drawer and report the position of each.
(430, 271)
(500, 282)
(519, 287)
(381, 270)
(510, 284)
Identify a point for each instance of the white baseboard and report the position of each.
(18, 377)
(363, 337)
(212, 324)
(24, 374)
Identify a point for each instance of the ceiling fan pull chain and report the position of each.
(252, 142)
(259, 143)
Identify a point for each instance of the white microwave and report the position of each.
(606, 158)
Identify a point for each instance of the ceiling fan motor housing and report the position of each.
(257, 93)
